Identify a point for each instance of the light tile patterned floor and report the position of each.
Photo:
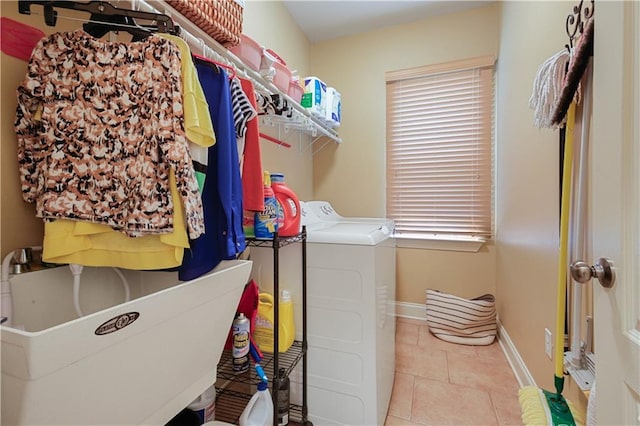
(441, 383)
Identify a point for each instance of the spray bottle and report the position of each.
(240, 346)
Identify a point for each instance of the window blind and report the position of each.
(439, 149)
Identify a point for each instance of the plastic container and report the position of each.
(283, 397)
(205, 405)
(240, 348)
(259, 410)
(274, 69)
(295, 91)
(266, 222)
(289, 212)
(249, 51)
(287, 330)
(263, 332)
(282, 78)
(315, 97)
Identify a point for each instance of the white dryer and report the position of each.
(351, 286)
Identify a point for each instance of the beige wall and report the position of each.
(352, 175)
(20, 228)
(460, 273)
(356, 66)
(527, 185)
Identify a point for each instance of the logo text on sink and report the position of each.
(117, 323)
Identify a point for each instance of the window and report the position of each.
(440, 151)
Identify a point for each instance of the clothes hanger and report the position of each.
(232, 70)
(99, 25)
(103, 13)
(205, 59)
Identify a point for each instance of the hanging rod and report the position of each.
(196, 38)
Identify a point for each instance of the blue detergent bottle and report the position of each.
(266, 221)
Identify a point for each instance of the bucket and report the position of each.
(289, 212)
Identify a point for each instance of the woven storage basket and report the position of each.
(221, 19)
(458, 320)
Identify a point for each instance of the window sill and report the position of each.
(441, 242)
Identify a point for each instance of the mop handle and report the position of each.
(564, 240)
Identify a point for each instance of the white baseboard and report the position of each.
(520, 370)
(411, 310)
(523, 376)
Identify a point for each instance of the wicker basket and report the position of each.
(221, 19)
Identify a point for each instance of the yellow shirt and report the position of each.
(91, 244)
(197, 119)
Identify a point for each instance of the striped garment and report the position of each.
(458, 320)
(241, 107)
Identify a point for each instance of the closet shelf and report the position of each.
(198, 40)
(287, 360)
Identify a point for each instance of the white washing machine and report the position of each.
(351, 286)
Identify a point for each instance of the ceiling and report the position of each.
(329, 19)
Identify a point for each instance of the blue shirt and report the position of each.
(222, 193)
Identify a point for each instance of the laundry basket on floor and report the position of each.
(464, 321)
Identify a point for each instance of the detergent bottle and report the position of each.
(264, 326)
(288, 207)
(287, 329)
(259, 410)
(205, 405)
(266, 222)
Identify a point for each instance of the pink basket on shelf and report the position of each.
(249, 51)
(282, 78)
(295, 91)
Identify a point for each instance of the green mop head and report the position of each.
(540, 407)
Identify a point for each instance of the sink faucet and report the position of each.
(22, 259)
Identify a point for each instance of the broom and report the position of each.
(541, 407)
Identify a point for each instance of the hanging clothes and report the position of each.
(111, 127)
(90, 244)
(252, 185)
(197, 125)
(243, 111)
(94, 244)
(222, 194)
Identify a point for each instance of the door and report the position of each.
(615, 204)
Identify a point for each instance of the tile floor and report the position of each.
(441, 383)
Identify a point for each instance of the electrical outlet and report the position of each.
(548, 346)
